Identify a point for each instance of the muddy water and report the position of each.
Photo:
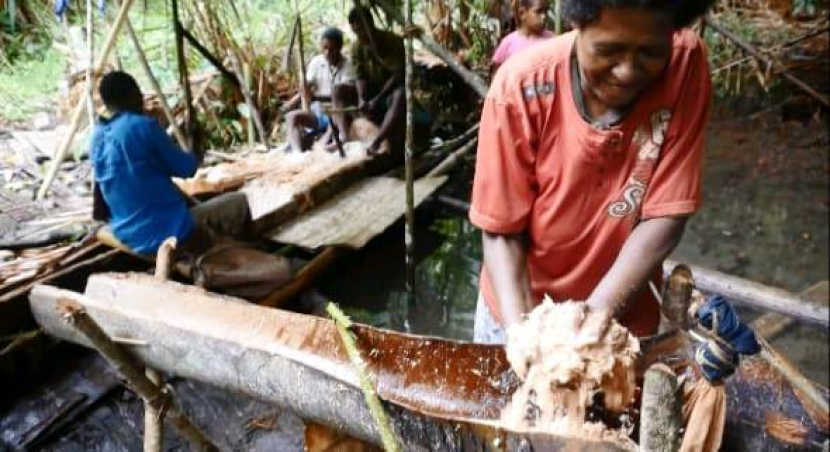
(765, 218)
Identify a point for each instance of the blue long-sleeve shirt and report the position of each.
(133, 160)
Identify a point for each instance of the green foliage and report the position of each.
(30, 85)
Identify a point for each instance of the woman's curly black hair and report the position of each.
(584, 12)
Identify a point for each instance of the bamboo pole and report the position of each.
(148, 72)
(74, 314)
(90, 76)
(409, 173)
(768, 63)
(387, 434)
(249, 100)
(470, 77)
(77, 114)
(184, 80)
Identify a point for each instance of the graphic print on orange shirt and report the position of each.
(649, 140)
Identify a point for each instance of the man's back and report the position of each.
(133, 160)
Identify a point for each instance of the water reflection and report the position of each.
(371, 287)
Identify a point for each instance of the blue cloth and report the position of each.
(717, 359)
(133, 160)
(62, 5)
(322, 119)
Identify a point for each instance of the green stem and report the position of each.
(387, 435)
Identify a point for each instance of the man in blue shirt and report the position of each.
(134, 161)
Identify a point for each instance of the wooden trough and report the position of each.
(441, 394)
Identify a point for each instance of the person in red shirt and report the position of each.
(589, 163)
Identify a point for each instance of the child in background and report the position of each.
(531, 16)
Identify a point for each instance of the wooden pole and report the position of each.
(75, 315)
(304, 100)
(746, 47)
(148, 72)
(153, 418)
(289, 51)
(304, 278)
(249, 100)
(184, 80)
(661, 421)
(77, 114)
(470, 77)
(387, 434)
(755, 295)
(409, 173)
(90, 76)
(246, 69)
(802, 387)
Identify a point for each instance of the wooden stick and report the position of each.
(289, 51)
(409, 172)
(471, 78)
(75, 315)
(249, 99)
(184, 81)
(746, 47)
(246, 69)
(304, 278)
(803, 388)
(660, 421)
(448, 163)
(304, 101)
(230, 76)
(90, 77)
(755, 295)
(75, 123)
(153, 418)
(148, 72)
(387, 434)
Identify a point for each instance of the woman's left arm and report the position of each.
(646, 248)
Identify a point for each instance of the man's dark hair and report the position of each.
(333, 35)
(684, 12)
(359, 14)
(117, 90)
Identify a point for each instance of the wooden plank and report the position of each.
(756, 295)
(355, 216)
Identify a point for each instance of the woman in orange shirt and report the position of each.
(589, 162)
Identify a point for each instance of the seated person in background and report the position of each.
(134, 160)
(379, 60)
(325, 73)
(531, 16)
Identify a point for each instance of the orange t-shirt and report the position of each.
(578, 191)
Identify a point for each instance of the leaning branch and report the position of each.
(746, 47)
(472, 79)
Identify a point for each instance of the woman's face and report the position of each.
(622, 52)
(533, 18)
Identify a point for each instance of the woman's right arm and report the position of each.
(505, 261)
